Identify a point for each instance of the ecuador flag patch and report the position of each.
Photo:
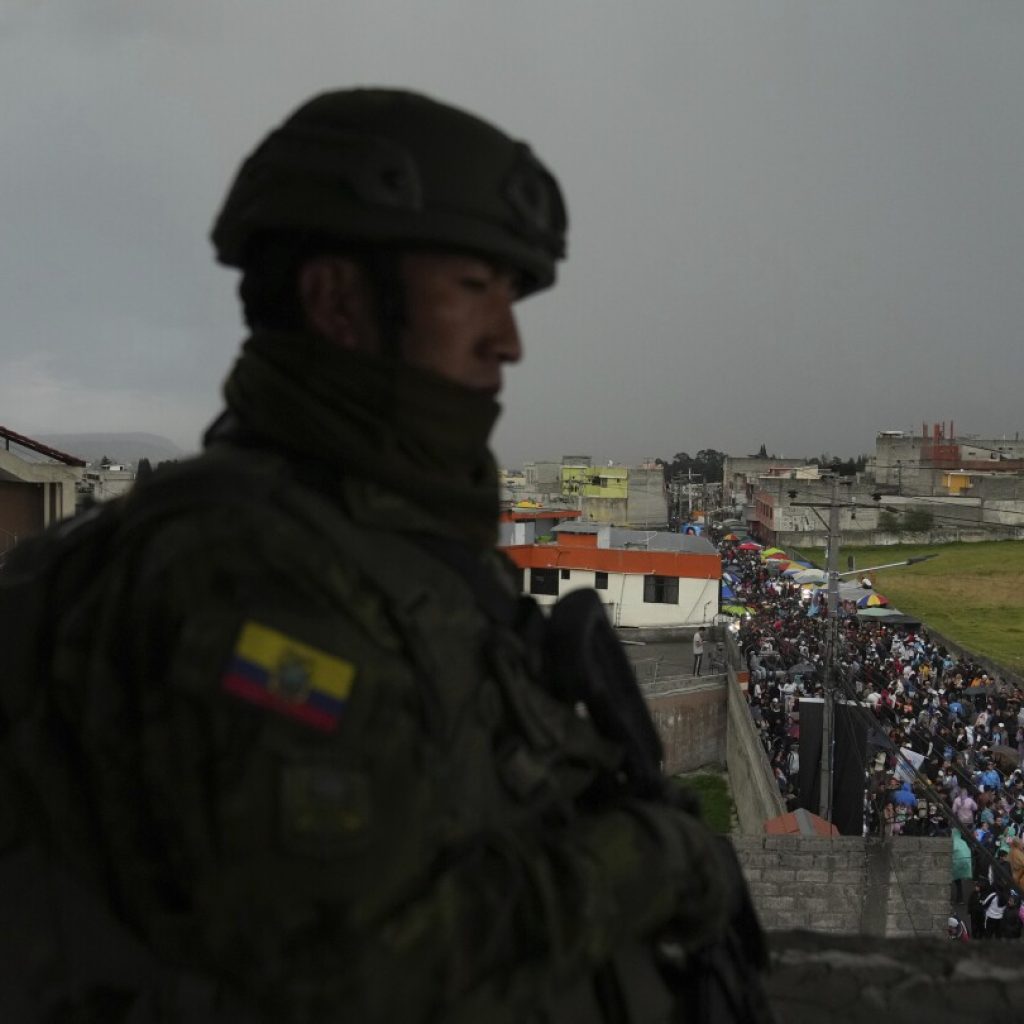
(288, 677)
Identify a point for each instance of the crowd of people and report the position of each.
(945, 751)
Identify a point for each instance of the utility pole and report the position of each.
(832, 634)
(829, 709)
(831, 642)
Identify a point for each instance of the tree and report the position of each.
(762, 453)
(889, 521)
(918, 520)
(106, 461)
(143, 469)
(709, 463)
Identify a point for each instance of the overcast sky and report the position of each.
(791, 223)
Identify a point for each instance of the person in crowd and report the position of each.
(994, 905)
(965, 808)
(962, 866)
(1016, 862)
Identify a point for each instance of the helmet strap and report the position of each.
(385, 276)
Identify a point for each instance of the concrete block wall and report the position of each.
(897, 887)
(692, 725)
(753, 786)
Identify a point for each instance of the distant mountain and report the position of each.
(121, 448)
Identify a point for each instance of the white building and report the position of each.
(643, 577)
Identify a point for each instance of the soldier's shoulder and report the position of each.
(208, 527)
(245, 485)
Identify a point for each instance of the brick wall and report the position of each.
(849, 885)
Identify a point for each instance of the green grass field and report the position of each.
(971, 593)
(715, 801)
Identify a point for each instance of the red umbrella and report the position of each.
(749, 545)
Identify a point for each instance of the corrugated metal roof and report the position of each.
(644, 540)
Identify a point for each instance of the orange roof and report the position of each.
(800, 823)
(594, 559)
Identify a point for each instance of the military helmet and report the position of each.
(389, 167)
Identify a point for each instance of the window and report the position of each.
(565, 574)
(661, 589)
(600, 581)
(544, 581)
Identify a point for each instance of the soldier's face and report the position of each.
(459, 320)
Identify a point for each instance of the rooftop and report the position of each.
(643, 540)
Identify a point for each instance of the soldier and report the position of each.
(315, 769)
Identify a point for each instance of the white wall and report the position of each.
(624, 599)
(693, 595)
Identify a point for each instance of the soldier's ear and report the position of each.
(337, 302)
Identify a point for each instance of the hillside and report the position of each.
(126, 448)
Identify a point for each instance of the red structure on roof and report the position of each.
(10, 437)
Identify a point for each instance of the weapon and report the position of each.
(586, 664)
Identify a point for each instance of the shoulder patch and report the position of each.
(288, 677)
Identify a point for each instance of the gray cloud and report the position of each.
(794, 223)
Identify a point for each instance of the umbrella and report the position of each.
(872, 601)
(810, 576)
(1006, 757)
(873, 613)
(728, 593)
(750, 545)
(734, 609)
(803, 668)
(730, 536)
(888, 616)
(771, 551)
(776, 556)
(790, 567)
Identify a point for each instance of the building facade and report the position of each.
(37, 487)
(643, 578)
(619, 495)
(938, 462)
